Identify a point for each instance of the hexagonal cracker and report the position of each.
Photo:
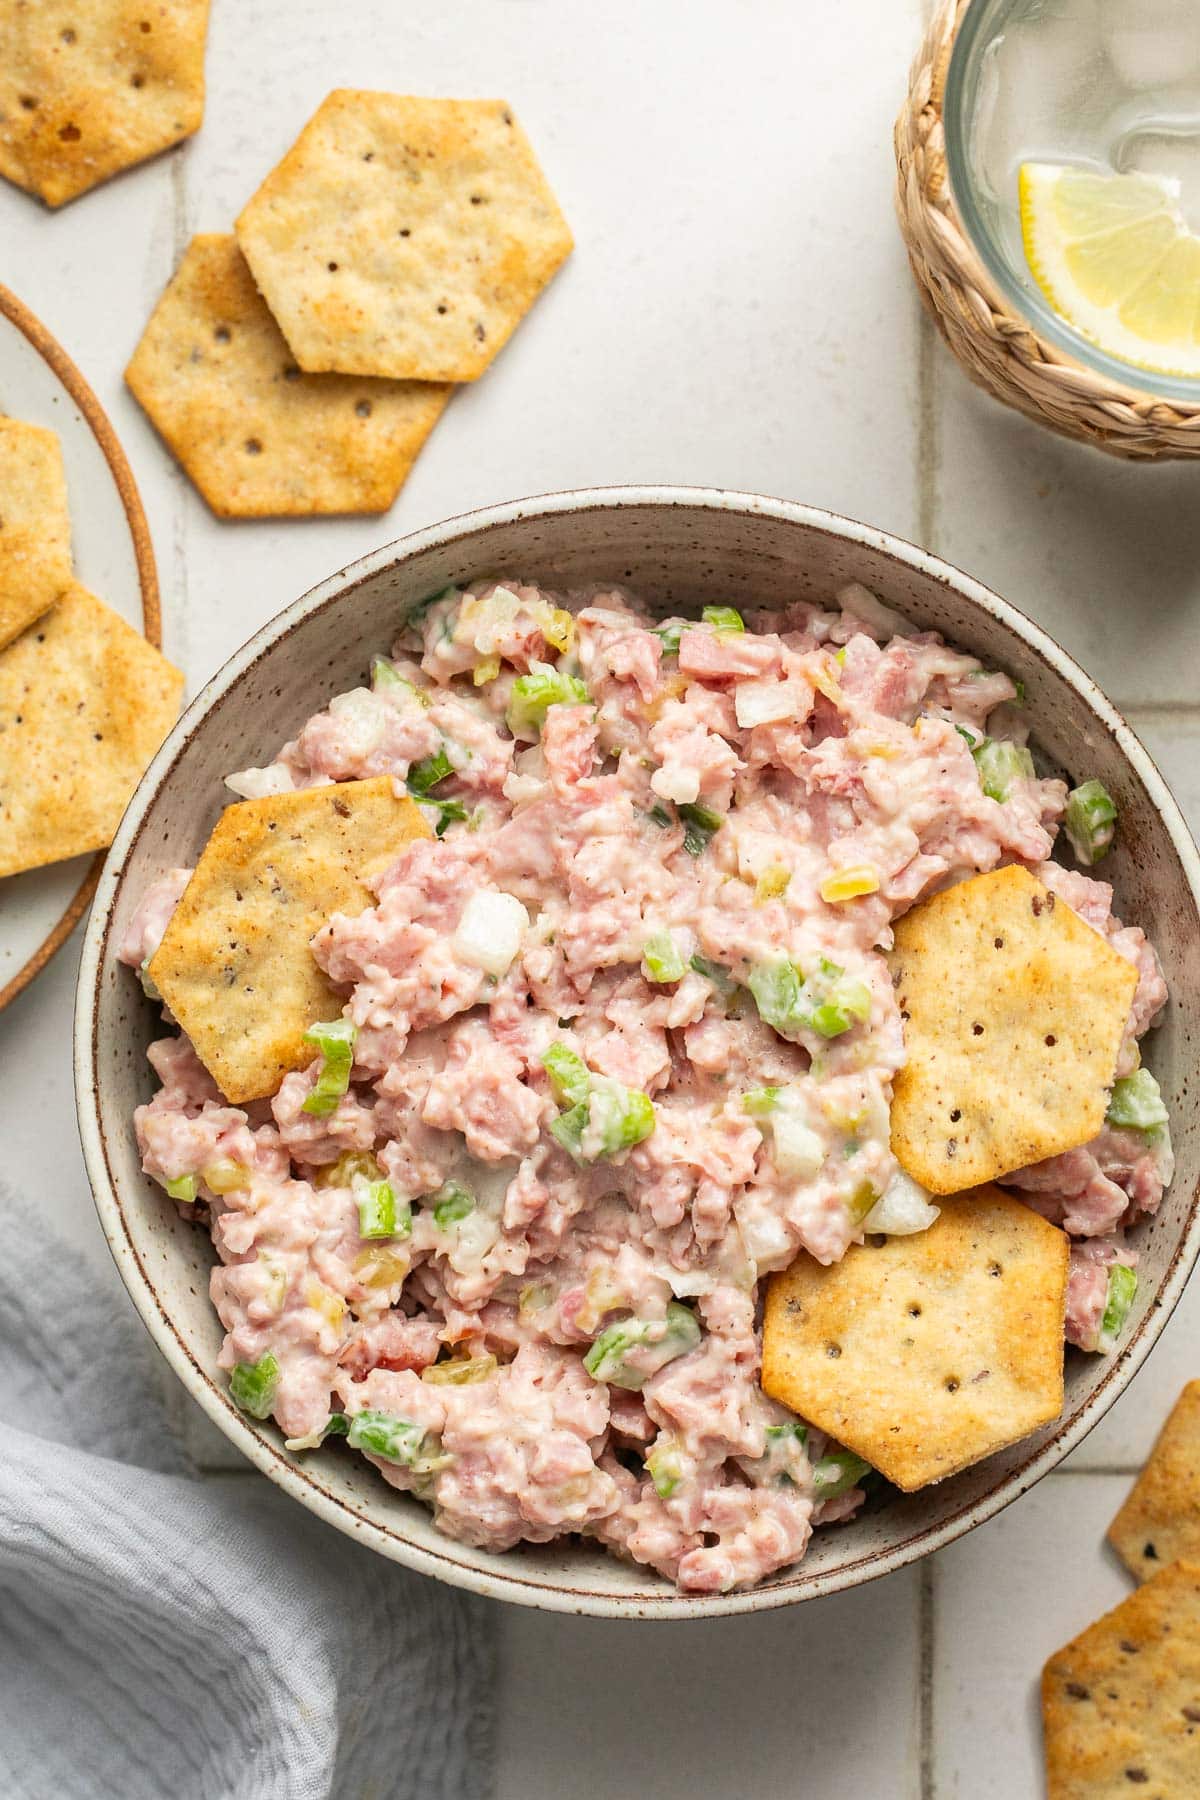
(403, 236)
(90, 87)
(258, 438)
(35, 525)
(929, 1352)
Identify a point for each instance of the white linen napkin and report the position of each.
(163, 1635)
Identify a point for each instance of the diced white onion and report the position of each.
(256, 784)
(765, 702)
(674, 782)
(903, 1210)
(490, 931)
(362, 717)
(799, 1151)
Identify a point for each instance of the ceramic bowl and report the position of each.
(677, 547)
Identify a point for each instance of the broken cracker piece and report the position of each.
(259, 438)
(928, 1352)
(403, 236)
(1014, 1010)
(85, 702)
(234, 965)
(90, 87)
(35, 525)
(1160, 1519)
(1121, 1702)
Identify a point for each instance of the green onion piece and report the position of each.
(618, 1117)
(376, 1209)
(428, 772)
(391, 1438)
(337, 1425)
(783, 1462)
(1122, 1286)
(1000, 763)
(669, 636)
(1020, 687)
(627, 1354)
(451, 1202)
(184, 1187)
(1136, 1104)
(837, 1473)
(700, 823)
(660, 815)
(664, 1465)
(335, 1041)
(1090, 821)
(717, 973)
(253, 1385)
(569, 1074)
(386, 678)
(972, 737)
(569, 1127)
(534, 694)
(761, 1101)
(448, 812)
(662, 958)
(723, 618)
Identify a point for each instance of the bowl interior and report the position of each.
(676, 549)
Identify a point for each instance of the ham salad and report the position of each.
(618, 1041)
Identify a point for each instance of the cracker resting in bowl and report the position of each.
(1014, 1011)
(926, 1353)
(234, 965)
(35, 525)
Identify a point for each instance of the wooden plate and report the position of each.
(113, 557)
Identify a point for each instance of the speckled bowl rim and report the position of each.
(569, 1594)
(100, 426)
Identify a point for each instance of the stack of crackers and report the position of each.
(84, 700)
(1121, 1702)
(298, 365)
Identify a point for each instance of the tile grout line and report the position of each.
(926, 1622)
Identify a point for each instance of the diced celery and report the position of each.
(669, 636)
(335, 1040)
(662, 958)
(717, 973)
(835, 1000)
(618, 1117)
(761, 1101)
(628, 1353)
(665, 1467)
(700, 823)
(393, 1439)
(837, 1473)
(723, 618)
(450, 1203)
(777, 989)
(1122, 1287)
(386, 678)
(426, 774)
(569, 1128)
(1137, 1103)
(1090, 821)
(784, 1462)
(184, 1187)
(1000, 763)
(569, 1074)
(534, 694)
(376, 1209)
(253, 1385)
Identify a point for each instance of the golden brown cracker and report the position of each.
(85, 702)
(35, 525)
(1160, 1519)
(257, 437)
(926, 1353)
(1014, 1010)
(89, 87)
(234, 965)
(1121, 1702)
(404, 237)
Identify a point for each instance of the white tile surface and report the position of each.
(738, 311)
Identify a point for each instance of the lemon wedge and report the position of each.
(1113, 256)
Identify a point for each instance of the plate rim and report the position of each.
(47, 346)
